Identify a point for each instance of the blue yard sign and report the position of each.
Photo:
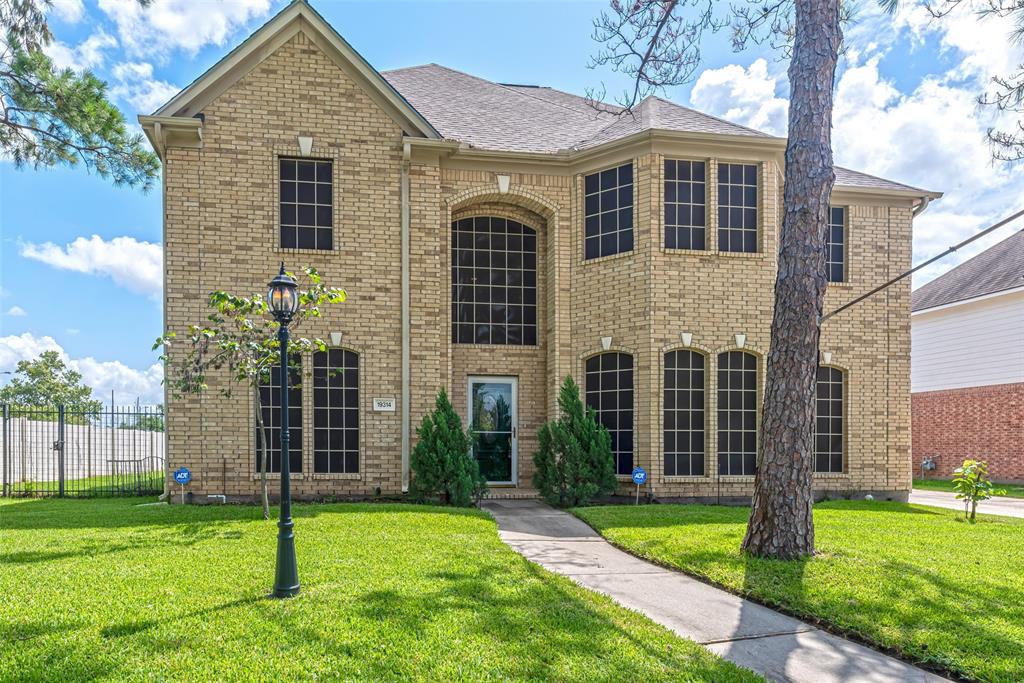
(639, 477)
(183, 476)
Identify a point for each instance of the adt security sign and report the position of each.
(639, 477)
(182, 476)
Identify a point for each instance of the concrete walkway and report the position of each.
(776, 646)
(1001, 505)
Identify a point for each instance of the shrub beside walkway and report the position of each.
(779, 647)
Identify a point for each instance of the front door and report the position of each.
(492, 420)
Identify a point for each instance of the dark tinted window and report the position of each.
(335, 411)
(270, 401)
(828, 421)
(494, 282)
(609, 391)
(684, 414)
(307, 206)
(608, 212)
(737, 207)
(737, 413)
(835, 245)
(685, 218)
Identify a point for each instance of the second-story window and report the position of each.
(608, 212)
(835, 245)
(685, 219)
(307, 207)
(737, 207)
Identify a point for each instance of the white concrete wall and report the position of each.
(972, 344)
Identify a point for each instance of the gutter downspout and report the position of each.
(406, 155)
(920, 208)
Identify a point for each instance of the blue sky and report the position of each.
(80, 259)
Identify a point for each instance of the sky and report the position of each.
(80, 260)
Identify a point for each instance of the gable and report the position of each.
(298, 17)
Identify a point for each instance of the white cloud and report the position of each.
(102, 376)
(745, 96)
(16, 312)
(70, 11)
(131, 263)
(137, 86)
(89, 54)
(189, 25)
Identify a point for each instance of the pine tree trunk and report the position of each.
(781, 523)
(258, 407)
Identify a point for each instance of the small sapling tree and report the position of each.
(973, 486)
(574, 463)
(442, 463)
(240, 338)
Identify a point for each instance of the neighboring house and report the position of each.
(968, 364)
(493, 239)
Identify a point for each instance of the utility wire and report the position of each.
(919, 266)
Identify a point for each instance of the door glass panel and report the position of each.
(491, 424)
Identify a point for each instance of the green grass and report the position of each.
(1012, 490)
(939, 590)
(99, 486)
(109, 590)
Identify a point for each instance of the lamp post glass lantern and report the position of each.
(283, 300)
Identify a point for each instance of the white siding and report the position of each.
(968, 345)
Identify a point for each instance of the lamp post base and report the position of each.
(286, 582)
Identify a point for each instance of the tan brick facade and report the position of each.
(221, 233)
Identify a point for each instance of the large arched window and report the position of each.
(335, 411)
(737, 413)
(828, 421)
(609, 391)
(494, 281)
(270, 408)
(684, 414)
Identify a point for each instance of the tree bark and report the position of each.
(781, 523)
(258, 407)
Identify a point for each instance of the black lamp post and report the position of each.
(283, 299)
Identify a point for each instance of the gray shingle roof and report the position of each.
(524, 118)
(997, 268)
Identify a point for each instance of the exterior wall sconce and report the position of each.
(305, 145)
(687, 338)
(606, 343)
(335, 338)
(503, 183)
(826, 357)
(741, 340)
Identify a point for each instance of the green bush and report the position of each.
(443, 468)
(574, 463)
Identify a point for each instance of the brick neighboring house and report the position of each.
(967, 365)
(493, 239)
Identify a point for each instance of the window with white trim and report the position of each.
(737, 413)
(608, 212)
(306, 204)
(335, 411)
(737, 207)
(828, 420)
(683, 429)
(609, 391)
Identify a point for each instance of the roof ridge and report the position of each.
(710, 116)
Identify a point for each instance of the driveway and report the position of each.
(1008, 507)
(774, 645)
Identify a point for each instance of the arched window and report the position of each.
(737, 413)
(335, 411)
(270, 404)
(609, 391)
(683, 436)
(494, 281)
(828, 421)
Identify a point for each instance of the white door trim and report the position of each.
(514, 383)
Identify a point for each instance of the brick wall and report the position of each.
(982, 423)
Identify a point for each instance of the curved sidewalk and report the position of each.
(776, 646)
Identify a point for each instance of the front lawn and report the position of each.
(1012, 490)
(107, 589)
(916, 579)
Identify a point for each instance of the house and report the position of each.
(967, 364)
(495, 238)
